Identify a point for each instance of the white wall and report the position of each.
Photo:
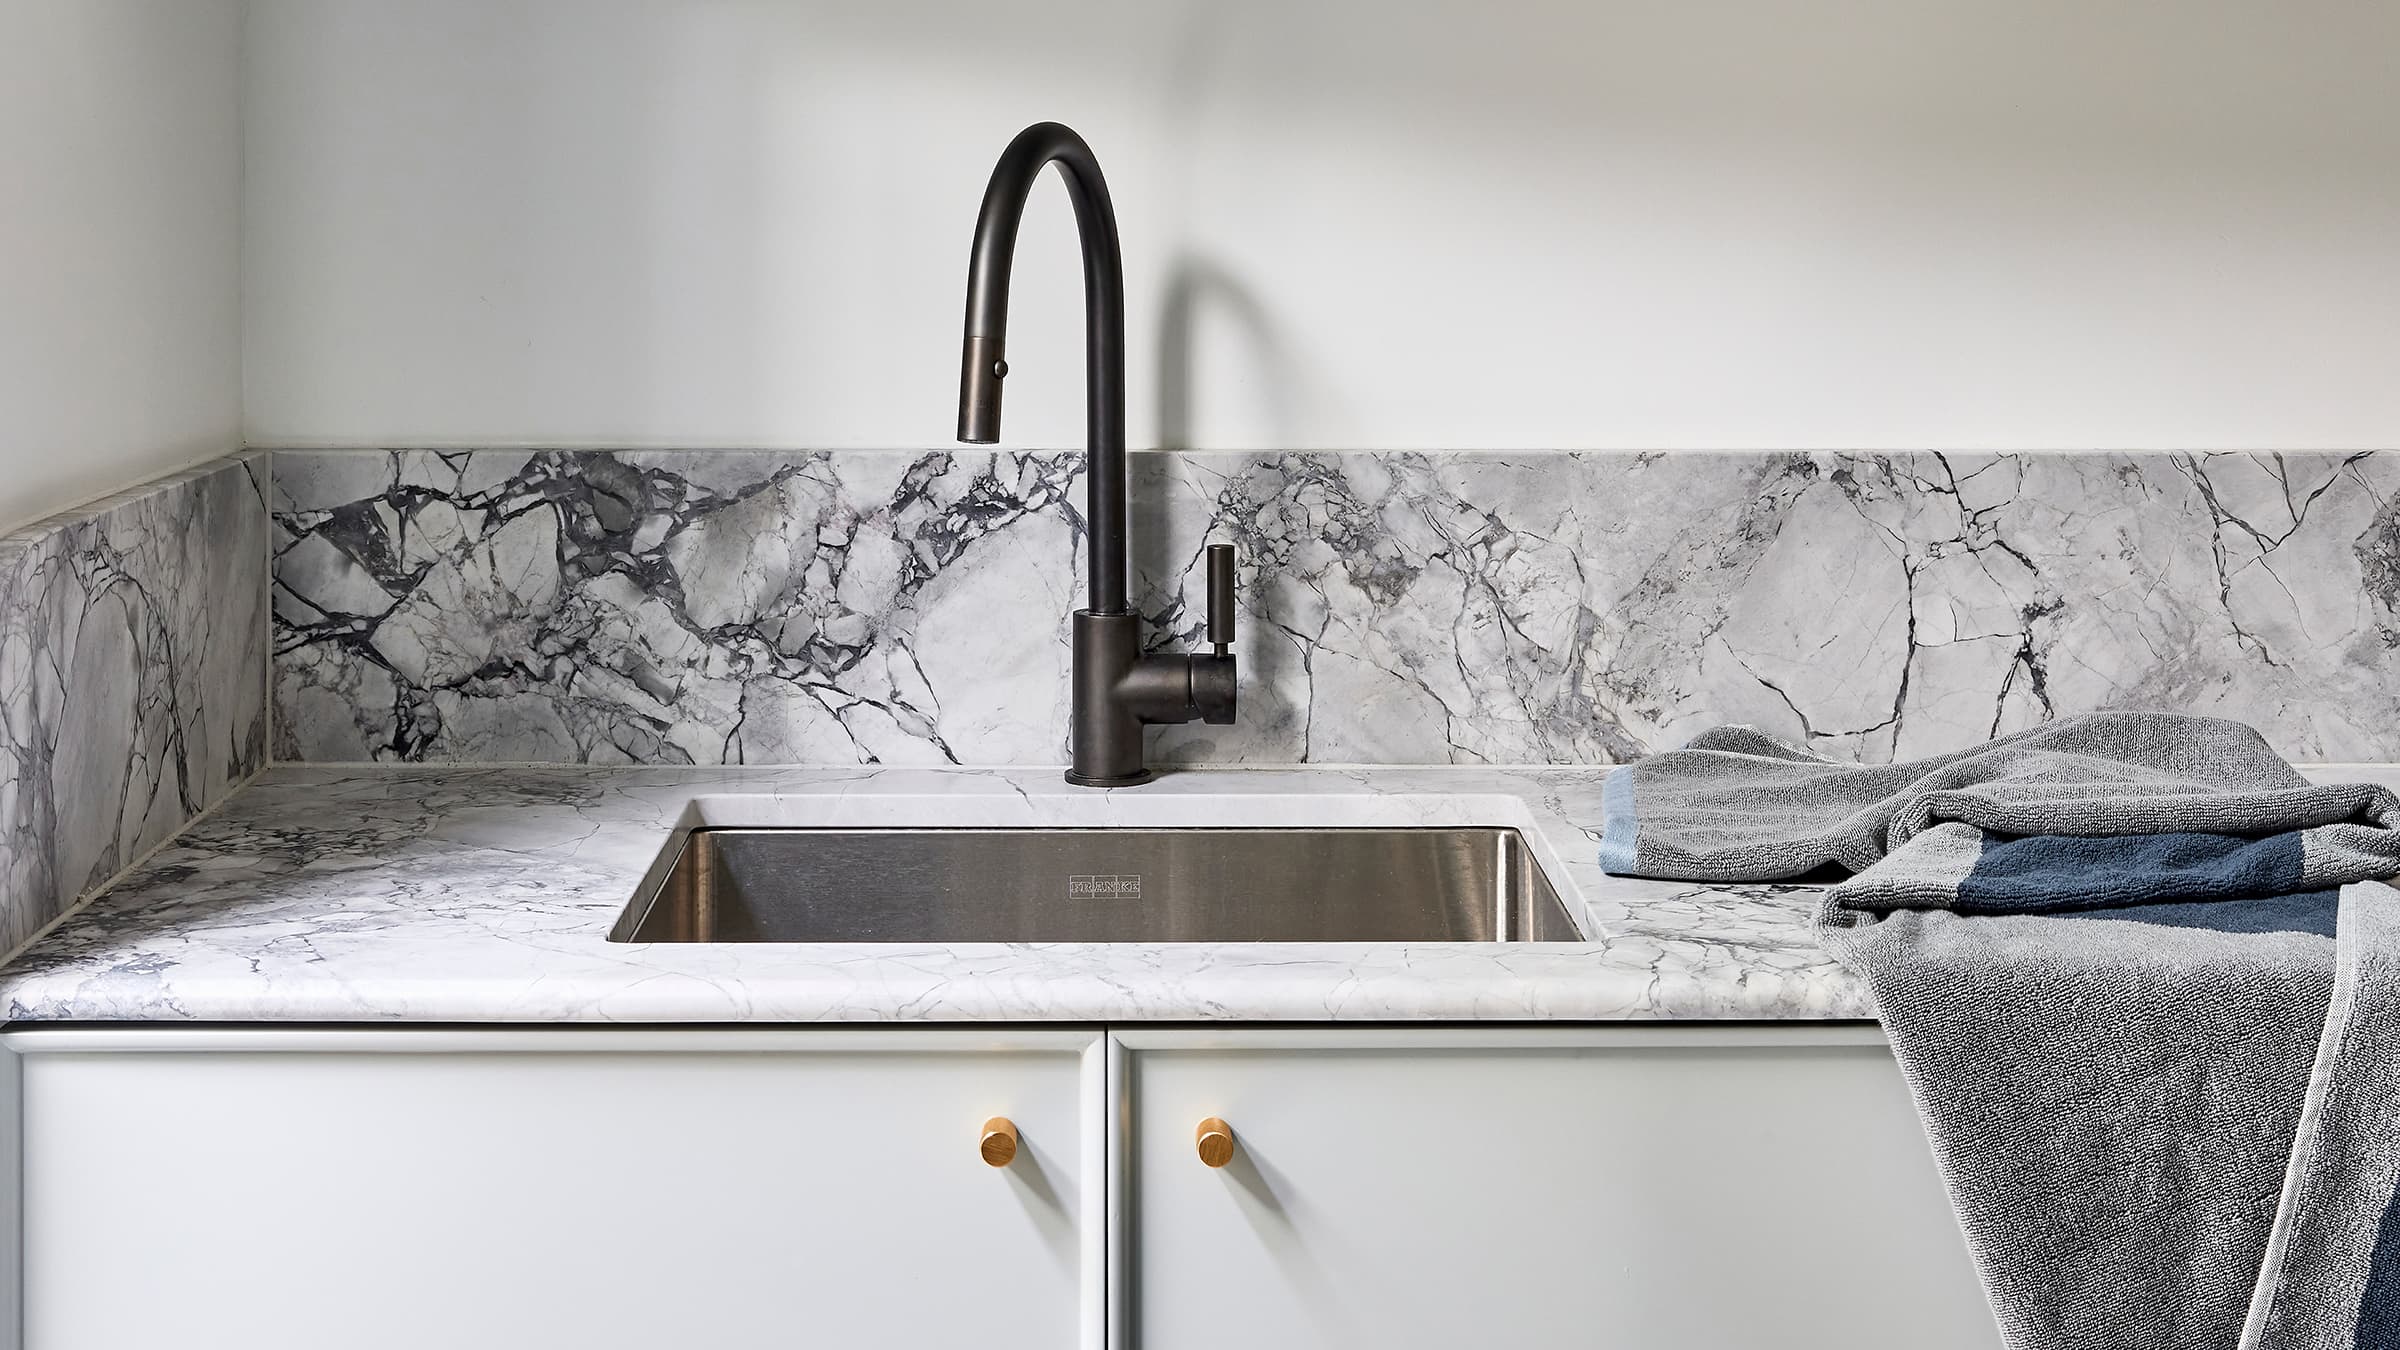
(1516, 223)
(120, 199)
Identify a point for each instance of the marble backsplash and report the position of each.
(133, 678)
(857, 606)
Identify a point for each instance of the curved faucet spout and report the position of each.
(984, 359)
(1115, 687)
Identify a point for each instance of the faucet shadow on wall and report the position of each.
(1168, 536)
(1196, 289)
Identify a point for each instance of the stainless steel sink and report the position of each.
(1447, 884)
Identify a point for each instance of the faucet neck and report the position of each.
(984, 362)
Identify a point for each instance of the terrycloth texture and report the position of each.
(1737, 805)
(2111, 1108)
(2160, 1088)
(1967, 871)
(2332, 1275)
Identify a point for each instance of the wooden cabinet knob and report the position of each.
(999, 1141)
(1215, 1139)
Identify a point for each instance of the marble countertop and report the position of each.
(486, 895)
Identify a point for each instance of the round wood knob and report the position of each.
(1215, 1139)
(999, 1141)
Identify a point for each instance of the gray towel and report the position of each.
(2145, 991)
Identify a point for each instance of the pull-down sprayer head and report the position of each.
(979, 390)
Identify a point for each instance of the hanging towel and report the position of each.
(2144, 984)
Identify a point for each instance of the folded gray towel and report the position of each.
(2156, 1052)
(1737, 805)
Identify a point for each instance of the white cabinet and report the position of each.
(1644, 1187)
(407, 1189)
(1640, 1186)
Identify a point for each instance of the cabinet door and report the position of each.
(1642, 1187)
(406, 1189)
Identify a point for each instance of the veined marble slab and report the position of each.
(133, 678)
(485, 895)
(895, 608)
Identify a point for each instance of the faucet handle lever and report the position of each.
(1220, 596)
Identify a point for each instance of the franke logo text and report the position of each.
(1121, 886)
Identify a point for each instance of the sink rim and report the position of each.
(765, 813)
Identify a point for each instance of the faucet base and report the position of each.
(1119, 690)
(1136, 780)
(1105, 745)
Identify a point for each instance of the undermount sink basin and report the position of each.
(1435, 884)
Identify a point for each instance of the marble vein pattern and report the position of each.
(485, 894)
(865, 607)
(133, 679)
